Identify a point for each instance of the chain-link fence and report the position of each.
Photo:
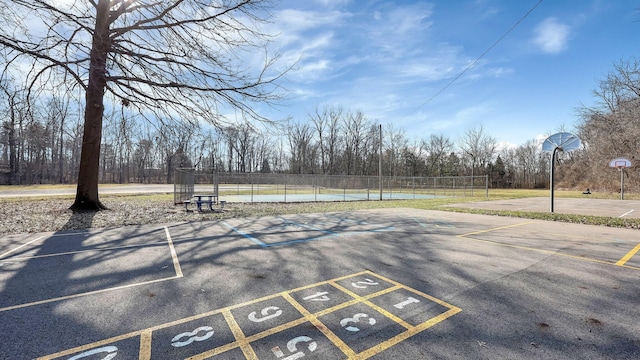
(259, 187)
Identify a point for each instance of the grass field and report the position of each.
(164, 202)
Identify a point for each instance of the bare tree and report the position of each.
(320, 120)
(176, 59)
(394, 143)
(438, 147)
(610, 129)
(479, 147)
(302, 148)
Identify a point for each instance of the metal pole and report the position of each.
(380, 163)
(621, 184)
(553, 160)
(486, 186)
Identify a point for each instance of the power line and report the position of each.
(478, 59)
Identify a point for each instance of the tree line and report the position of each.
(40, 142)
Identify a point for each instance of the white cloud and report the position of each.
(332, 3)
(552, 36)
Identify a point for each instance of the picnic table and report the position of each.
(208, 199)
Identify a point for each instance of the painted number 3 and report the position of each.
(354, 320)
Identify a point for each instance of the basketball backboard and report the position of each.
(620, 163)
(563, 141)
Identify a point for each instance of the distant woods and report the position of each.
(40, 142)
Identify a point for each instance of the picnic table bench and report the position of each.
(207, 199)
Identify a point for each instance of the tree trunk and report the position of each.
(87, 191)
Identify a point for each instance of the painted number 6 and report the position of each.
(266, 315)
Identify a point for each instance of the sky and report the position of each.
(520, 69)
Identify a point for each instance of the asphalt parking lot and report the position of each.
(380, 284)
(581, 206)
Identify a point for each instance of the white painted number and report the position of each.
(192, 336)
(319, 296)
(293, 349)
(265, 314)
(364, 283)
(355, 319)
(410, 300)
(111, 351)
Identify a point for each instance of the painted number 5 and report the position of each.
(293, 348)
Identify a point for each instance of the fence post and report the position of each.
(344, 189)
(413, 185)
(486, 185)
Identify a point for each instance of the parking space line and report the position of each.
(550, 252)
(294, 223)
(20, 247)
(629, 255)
(74, 296)
(494, 229)
(325, 233)
(627, 213)
(244, 234)
(174, 256)
(86, 251)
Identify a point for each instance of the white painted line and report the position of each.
(20, 247)
(25, 258)
(174, 256)
(623, 215)
(83, 294)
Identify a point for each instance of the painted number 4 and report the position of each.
(292, 346)
(319, 296)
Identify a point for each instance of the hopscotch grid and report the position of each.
(244, 342)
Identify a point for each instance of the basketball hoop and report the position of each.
(562, 141)
(620, 164)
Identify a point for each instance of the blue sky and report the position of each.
(390, 58)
